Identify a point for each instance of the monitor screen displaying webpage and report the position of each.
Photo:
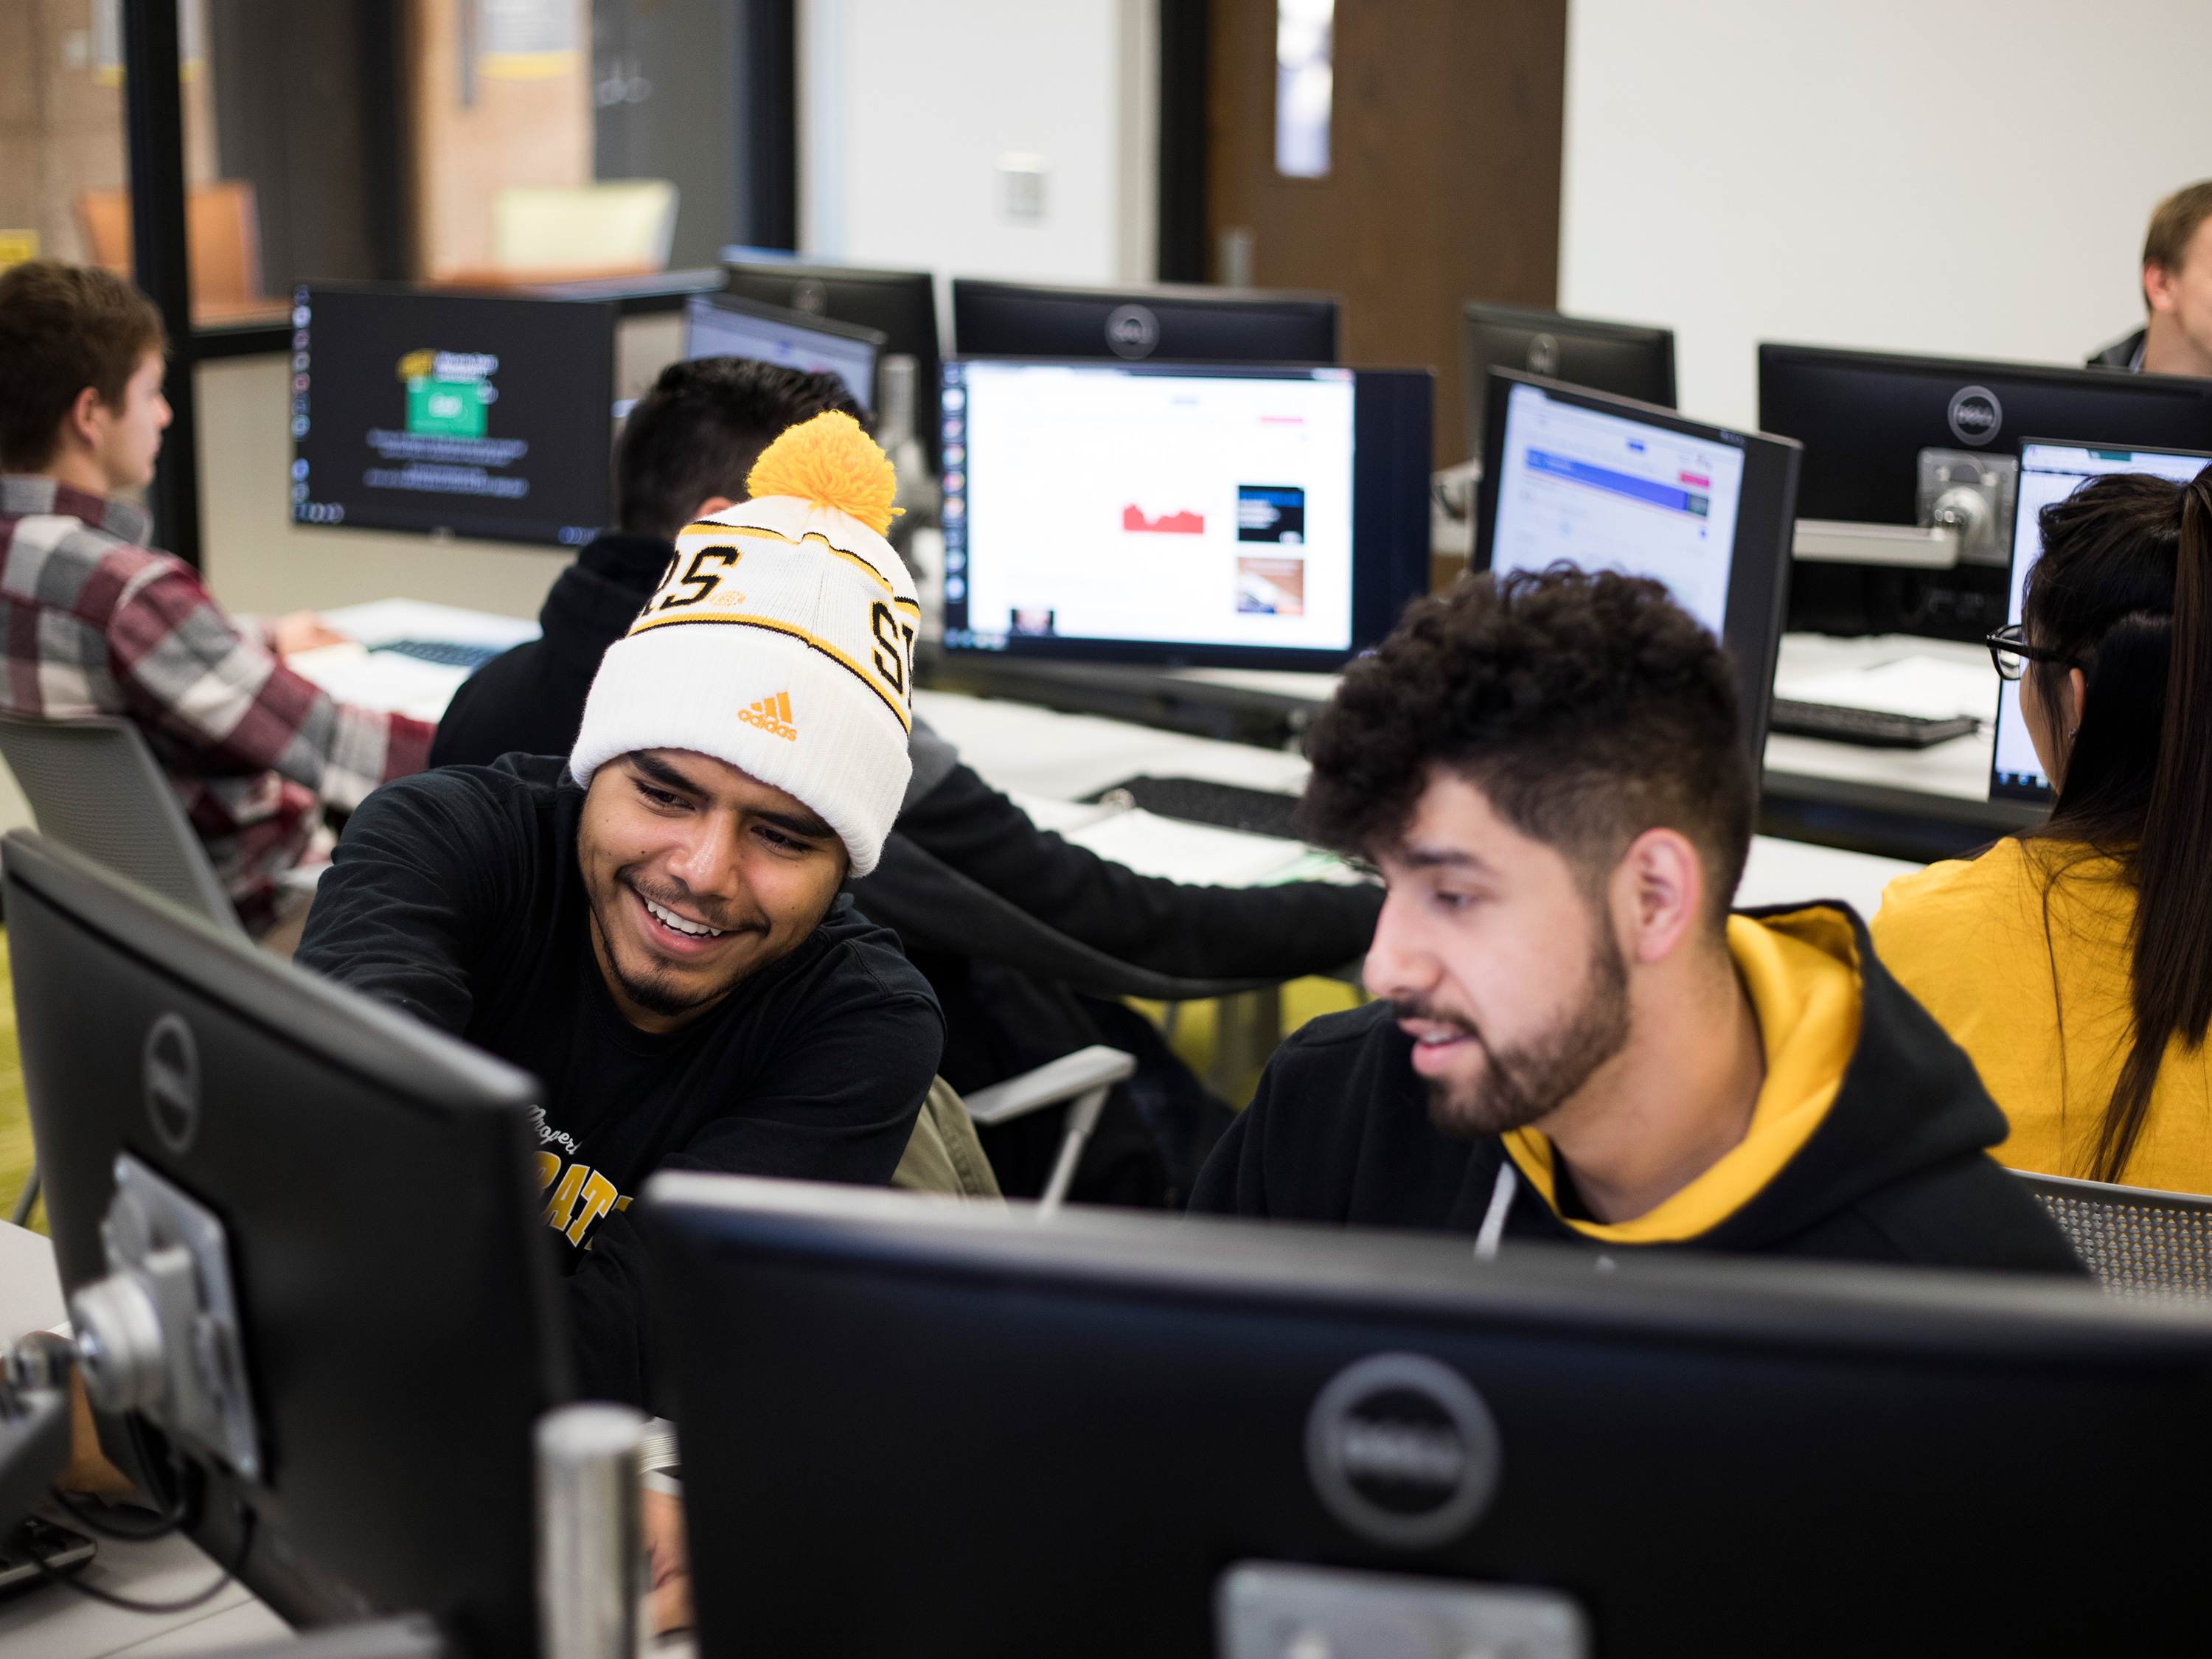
(1607, 492)
(715, 327)
(1160, 505)
(2051, 472)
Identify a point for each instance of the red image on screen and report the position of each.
(1167, 524)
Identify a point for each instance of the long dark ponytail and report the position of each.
(2124, 591)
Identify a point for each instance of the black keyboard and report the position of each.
(448, 653)
(1876, 728)
(1224, 805)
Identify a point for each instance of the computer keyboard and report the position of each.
(448, 653)
(1224, 805)
(1874, 727)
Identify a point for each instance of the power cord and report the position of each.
(59, 1576)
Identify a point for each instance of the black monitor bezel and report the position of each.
(2043, 795)
(482, 1104)
(473, 530)
(1380, 587)
(802, 322)
(1751, 630)
(1474, 314)
(1203, 296)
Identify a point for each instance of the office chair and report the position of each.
(945, 1157)
(617, 227)
(2140, 1244)
(93, 786)
(222, 238)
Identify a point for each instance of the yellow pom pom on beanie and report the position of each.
(830, 462)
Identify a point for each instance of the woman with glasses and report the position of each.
(2074, 962)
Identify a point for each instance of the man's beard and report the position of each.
(656, 990)
(1520, 1084)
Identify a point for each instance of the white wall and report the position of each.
(906, 106)
(1964, 176)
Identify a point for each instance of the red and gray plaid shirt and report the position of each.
(95, 623)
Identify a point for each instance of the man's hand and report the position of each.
(669, 1561)
(88, 1470)
(303, 631)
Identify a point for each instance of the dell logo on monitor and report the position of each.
(1975, 415)
(1402, 1451)
(1132, 330)
(170, 1071)
(1544, 355)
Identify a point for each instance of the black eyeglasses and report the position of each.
(2011, 652)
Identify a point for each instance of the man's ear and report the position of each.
(1658, 893)
(712, 505)
(2158, 288)
(87, 420)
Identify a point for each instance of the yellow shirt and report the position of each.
(1801, 972)
(1968, 938)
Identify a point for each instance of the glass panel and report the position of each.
(1304, 86)
(64, 162)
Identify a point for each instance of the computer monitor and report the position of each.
(991, 1437)
(1866, 419)
(475, 415)
(1166, 322)
(2050, 473)
(902, 304)
(726, 326)
(394, 1304)
(1608, 483)
(1628, 359)
(1163, 513)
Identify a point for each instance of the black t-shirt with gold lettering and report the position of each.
(456, 895)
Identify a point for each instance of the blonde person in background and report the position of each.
(2074, 962)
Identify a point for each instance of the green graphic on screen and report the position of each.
(449, 393)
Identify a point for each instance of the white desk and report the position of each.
(54, 1623)
(1027, 750)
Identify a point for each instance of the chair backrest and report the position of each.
(223, 237)
(616, 224)
(2139, 1242)
(933, 907)
(94, 786)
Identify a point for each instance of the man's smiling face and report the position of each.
(698, 876)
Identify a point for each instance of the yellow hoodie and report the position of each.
(2046, 1014)
(1802, 972)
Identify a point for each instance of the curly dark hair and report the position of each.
(1588, 709)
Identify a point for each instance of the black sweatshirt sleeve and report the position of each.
(1199, 932)
(839, 1106)
(426, 866)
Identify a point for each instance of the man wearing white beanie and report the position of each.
(655, 927)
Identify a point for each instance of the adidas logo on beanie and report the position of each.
(781, 641)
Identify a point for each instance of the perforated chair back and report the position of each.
(94, 786)
(2142, 1244)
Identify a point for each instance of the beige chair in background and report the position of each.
(616, 228)
(222, 236)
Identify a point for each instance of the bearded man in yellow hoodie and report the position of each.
(1580, 1043)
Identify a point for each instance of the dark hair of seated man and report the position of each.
(685, 452)
(1577, 1040)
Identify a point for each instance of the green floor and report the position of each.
(14, 1117)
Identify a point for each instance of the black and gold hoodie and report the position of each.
(1868, 1142)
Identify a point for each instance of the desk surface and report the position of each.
(53, 1622)
(1027, 750)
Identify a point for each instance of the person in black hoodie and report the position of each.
(685, 452)
(1580, 1044)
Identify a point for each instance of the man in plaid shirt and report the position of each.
(97, 622)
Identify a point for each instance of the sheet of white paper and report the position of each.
(380, 622)
(1915, 684)
(382, 680)
(1194, 853)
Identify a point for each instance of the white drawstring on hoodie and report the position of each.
(1493, 1218)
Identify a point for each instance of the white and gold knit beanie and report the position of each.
(781, 641)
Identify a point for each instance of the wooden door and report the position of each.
(1443, 183)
